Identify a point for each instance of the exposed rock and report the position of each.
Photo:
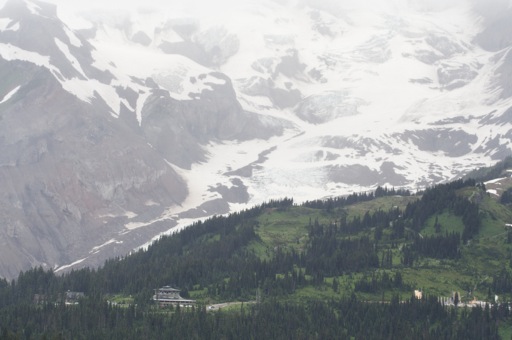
(454, 143)
(497, 33)
(141, 38)
(503, 76)
(325, 107)
(423, 81)
(212, 47)
(237, 193)
(363, 175)
(45, 34)
(375, 50)
(361, 146)
(428, 57)
(444, 45)
(455, 76)
(177, 129)
(290, 65)
(188, 49)
(64, 164)
(284, 98)
(281, 97)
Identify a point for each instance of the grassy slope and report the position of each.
(471, 275)
(288, 229)
(482, 258)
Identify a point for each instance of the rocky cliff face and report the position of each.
(178, 130)
(78, 170)
(72, 174)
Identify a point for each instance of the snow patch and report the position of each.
(34, 8)
(127, 104)
(130, 214)
(70, 265)
(73, 39)
(10, 52)
(493, 181)
(493, 192)
(151, 203)
(10, 94)
(141, 100)
(94, 250)
(197, 84)
(185, 222)
(6, 24)
(86, 90)
(136, 225)
(67, 53)
(14, 27)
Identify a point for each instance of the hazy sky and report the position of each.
(210, 8)
(226, 4)
(122, 4)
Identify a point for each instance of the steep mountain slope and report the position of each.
(67, 170)
(117, 125)
(78, 168)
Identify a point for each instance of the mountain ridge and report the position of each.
(137, 123)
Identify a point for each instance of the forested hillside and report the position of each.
(346, 267)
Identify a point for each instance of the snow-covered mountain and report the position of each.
(118, 125)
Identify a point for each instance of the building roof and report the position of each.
(172, 300)
(169, 288)
(169, 294)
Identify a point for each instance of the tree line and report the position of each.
(347, 318)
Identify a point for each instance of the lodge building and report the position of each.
(168, 296)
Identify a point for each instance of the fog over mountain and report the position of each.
(122, 120)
